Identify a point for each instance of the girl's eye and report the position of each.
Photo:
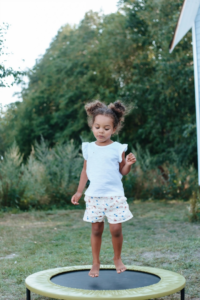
(98, 128)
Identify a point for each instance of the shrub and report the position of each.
(149, 180)
(194, 208)
(12, 187)
(62, 167)
(20, 185)
(49, 177)
(34, 180)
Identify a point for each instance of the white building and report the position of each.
(190, 18)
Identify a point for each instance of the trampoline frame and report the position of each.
(40, 283)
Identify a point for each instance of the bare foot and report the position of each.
(120, 267)
(94, 272)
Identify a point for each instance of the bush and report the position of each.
(149, 180)
(49, 177)
(194, 208)
(12, 187)
(34, 180)
(20, 185)
(62, 167)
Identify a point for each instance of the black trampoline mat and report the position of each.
(107, 280)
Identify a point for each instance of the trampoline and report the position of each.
(73, 283)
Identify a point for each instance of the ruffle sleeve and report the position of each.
(122, 148)
(85, 150)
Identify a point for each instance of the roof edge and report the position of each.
(171, 46)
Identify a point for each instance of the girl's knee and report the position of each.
(97, 228)
(116, 230)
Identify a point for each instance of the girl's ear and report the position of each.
(114, 130)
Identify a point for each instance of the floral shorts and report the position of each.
(116, 209)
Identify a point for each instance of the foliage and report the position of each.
(5, 72)
(7, 130)
(123, 55)
(12, 187)
(21, 186)
(162, 84)
(34, 181)
(118, 56)
(62, 167)
(7, 134)
(59, 85)
(49, 177)
(147, 180)
(194, 208)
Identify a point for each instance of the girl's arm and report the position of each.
(83, 179)
(125, 164)
(81, 186)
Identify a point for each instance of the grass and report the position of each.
(159, 235)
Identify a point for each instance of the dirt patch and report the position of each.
(158, 254)
(10, 256)
(33, 224)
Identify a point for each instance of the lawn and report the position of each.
(159, 235)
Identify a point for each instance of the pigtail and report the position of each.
(119, 109)
(93, 106)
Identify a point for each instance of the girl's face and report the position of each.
(103, 128)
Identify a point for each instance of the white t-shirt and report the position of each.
(103, 169)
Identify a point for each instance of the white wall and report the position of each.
(196, 58)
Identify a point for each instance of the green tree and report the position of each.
(5, 72)
(123, 55)
(69, 74)
(162, 84)
(7, 135)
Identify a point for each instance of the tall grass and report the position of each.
(12, 185)
(150, 180)
(51, 175)
(48, 178)
(194, 208)
(62, 167)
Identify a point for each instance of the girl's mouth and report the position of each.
(100, 136)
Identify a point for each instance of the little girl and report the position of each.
(104, 165)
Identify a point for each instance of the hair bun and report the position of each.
(118, 108)
(92, 106)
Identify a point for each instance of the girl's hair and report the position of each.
(116, 111)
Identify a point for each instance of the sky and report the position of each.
(32, 26)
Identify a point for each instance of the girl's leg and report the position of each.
(97, 230)
(117, 240)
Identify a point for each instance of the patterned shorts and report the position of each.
(116, 209)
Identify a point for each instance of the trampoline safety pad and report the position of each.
(137, 282)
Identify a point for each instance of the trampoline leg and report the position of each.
(183, 294)
(28, 294)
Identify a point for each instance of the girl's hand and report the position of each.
(75, 198)
(130, 159)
